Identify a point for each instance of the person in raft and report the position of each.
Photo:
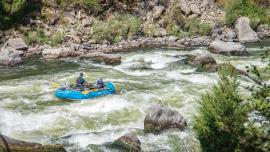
(80, 82)
(100, 84)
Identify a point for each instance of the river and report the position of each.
(30, 112)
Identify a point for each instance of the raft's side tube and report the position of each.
(79, 95)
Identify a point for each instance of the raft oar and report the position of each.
(55, 85)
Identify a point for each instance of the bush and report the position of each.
(195, 27)
(13, 12)
(247, 8)
(89, 4)
(38, 37)
(116, 28)
(224, 122)
(221, 115)
(173, 29)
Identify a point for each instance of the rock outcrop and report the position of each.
(161, 118)
(228, 48)
(128, 142)
(9, 57)
(16, 44)
(12, 145)
(110, 59)
(244, 32)
(60, 53)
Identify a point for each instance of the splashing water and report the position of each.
(29, 111)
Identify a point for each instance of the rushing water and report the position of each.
(29, 111)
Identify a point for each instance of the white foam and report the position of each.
(194, 78)
(99, 105)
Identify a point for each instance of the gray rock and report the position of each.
(161, 32)
(204, 3)
(157, 11)
(184, 7)
(128, 142)
(244, 32)
(195, 9)
(230, 34)
(12, 145)
(172, 38)
(228, 48)
(203, 60)
(60, 53)
(17, 44)
(86, 22)
(160, 118)
(110, 59)
(9, 56)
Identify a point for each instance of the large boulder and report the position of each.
(56, 53)
(128, 142)
(160, 118)
(184, 7)
(110, 59)
(202, 60)
(9, 56)
(12, 145)
(157, 11)
(244, 32)
(16, 44)
(227, 48)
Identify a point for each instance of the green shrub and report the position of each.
(224, 123)
(13, 12)
(38, 37)
(195, 27)
(222, 115)
(116, 28)
(173, 29)
(247, 8)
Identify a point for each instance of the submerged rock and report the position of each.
(10, 57)
(128, 142)
(228, 48)
(202, 60)
(110, 59)
(160, 118)
(244, 32)
(12, 145)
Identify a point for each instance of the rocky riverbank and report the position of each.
(223, 40)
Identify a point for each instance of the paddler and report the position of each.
(80, 82)
(100, 84)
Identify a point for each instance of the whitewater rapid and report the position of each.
(29, 111)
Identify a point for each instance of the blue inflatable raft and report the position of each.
(71, 94)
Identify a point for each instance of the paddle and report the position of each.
(55, 85)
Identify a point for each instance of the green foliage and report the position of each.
(39, 37)
(173, 29)
(195, 27)
(223, 123)
(89, 4)
(13, 6)
(116, 28)
(221, 115)
(247, 8)
(12, 12)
